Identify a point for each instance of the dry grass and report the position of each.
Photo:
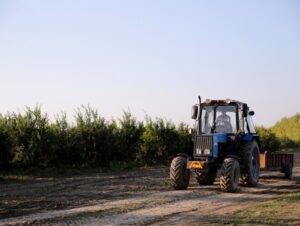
(282, 211)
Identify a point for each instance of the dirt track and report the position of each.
(138, 197)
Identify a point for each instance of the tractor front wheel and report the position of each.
(230, 175)
(179, 174)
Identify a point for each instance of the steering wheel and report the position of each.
(223, 127)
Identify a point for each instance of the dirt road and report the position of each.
(142, 196)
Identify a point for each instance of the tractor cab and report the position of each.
(223, 116)
(221, 127)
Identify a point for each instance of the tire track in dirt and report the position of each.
(271, 186)
(194, 203)
(22, 197)
(96, 208)
(180, 211)
(137, 189)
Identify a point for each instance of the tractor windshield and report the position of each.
(218, 119)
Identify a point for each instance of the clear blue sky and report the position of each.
(151, 57)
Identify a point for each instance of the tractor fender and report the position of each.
(183, 155)
(248, 137)
(234, 157)
(251, 137)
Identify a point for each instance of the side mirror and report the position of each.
(251, 113)
(194, 112)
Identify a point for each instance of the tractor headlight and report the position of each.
(207, 152)
(199, 151)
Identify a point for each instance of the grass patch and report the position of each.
(46, 171)
(33, 173)
(281, 211)
(277, 213)
(274, 204)
(15, 177)
(30, 174)
(293, 197)
(19, 174)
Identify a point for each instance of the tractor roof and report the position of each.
(222, 102)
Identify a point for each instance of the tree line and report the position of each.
(31, 140)
(284, 134)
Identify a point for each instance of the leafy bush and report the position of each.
(63, 151)
(185, 142)
(288, 131)
(95, 140)
(269, 141)
(162, 140)
(284, 134)
(6, 145)
(30, 137)
(150, 144)
(128, 138)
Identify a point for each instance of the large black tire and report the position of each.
(179, 174)
(288, 171)
(230, 175)
(250, 160)
(207, 178)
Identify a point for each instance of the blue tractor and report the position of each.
(226, 140)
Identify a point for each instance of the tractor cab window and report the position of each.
(226, 119)
(207, 119)
(250, 124)
(218, 119)
(242, 121)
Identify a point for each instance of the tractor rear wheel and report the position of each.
(206, 178)
(179, 174)
(230, 174)
(250, 161)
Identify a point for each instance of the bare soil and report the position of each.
(140, 196)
